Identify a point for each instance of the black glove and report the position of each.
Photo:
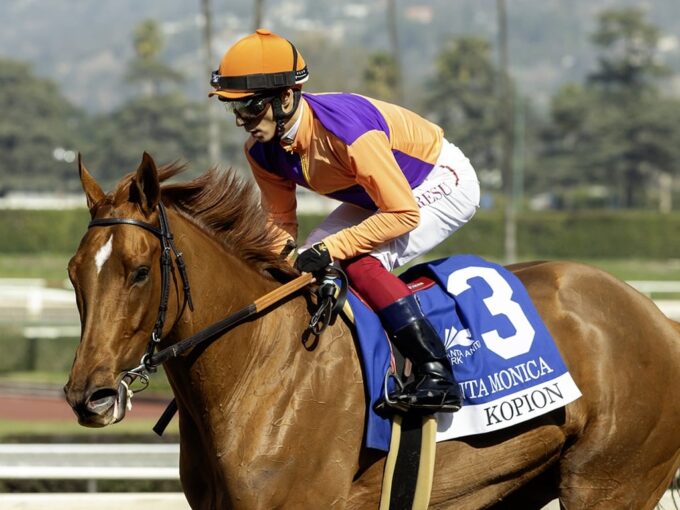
(314, 259)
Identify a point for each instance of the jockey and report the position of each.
(404, 189)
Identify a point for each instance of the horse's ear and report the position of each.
(93, 191)
(145, 189)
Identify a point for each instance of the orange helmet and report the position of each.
(258, 63)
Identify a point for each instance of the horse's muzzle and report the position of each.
(98, 407)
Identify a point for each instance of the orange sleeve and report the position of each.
(376, 170)
(278, 199)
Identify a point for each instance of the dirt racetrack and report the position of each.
(21, 402)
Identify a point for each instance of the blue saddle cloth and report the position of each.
(503, 356)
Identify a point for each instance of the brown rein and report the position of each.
(211, 331)
(228, 322)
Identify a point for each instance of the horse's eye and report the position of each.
(140, 275)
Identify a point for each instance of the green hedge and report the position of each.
(43, 354)
(26, 231)
(557, 234)
(554, 234)
(630, 234)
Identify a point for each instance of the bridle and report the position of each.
(151, 359)
(168, 245)
(147, 364)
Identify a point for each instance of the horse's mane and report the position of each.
(227, 207)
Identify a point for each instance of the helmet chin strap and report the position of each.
(282, 117)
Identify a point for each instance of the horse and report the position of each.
(268, 421)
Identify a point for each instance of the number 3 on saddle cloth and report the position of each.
(502, 355)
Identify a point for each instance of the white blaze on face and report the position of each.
(103, 254)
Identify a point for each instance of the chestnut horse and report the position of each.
(268, 422)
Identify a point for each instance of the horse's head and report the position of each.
(116, 276)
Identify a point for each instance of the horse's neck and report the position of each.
(257, 389)
(221, 284)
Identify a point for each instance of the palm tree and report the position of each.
(257, 20)
(393, 30)
(214, 149)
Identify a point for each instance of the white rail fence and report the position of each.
(98, 501)
(94, 462)
(654, 288)
(90, 462)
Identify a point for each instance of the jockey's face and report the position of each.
(262, 126)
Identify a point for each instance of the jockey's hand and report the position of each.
(314, 259)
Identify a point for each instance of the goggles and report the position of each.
(249, 108)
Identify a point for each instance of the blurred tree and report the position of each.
(380, 77)
(148, 39)
(629, 66)
(38, 128)
(163, 123)
(616, 130)
(146, 69)
(214, 146)
(461, 99)
(629, 52)
(332, 67)
(166, 125)
(567, 157)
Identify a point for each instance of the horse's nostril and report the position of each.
(101, 400)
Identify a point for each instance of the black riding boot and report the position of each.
(433, 388)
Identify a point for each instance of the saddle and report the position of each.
(506, 362)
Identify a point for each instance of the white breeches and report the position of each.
(448, 198)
